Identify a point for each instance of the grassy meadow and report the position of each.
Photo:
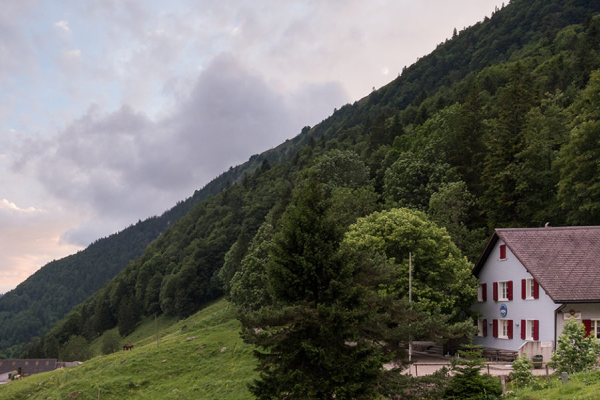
(582, 386)
(177, 369)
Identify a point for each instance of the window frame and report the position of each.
(503, 329)
(482, 293)
(595, 327)
(503, 291)
(530, 289)
(530, 329)
(503, 253)
(480, 323)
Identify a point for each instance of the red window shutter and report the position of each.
(509, 290)
(536, 289)
(502, 251)
(523, 329)
(485, 328)
(510, 329)
(484, 291)
(536, 330)
(523, 289)
(495, 291)
(495, 328)
(588, 326)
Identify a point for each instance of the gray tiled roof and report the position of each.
(564, 261)
(29, 366)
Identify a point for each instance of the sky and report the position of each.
(113, 110)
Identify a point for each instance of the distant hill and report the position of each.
(491, 129)
(215, 365)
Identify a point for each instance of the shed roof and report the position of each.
(565, 261)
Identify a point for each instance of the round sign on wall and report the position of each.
(503, 310)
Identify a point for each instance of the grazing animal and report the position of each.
(128, 347)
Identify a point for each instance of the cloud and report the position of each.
(7, 205)
(121, 166)
(16, 52)
(63, 25)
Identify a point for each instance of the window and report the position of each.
(529, 289)
(529, 333)
(503, 328)
(503, 252)
(482, 292)
(592, 327)
(482, 327)
(503, 291)
(530, 329)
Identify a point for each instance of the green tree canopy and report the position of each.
(442, 278)
(249, 285)
(75, 349)
(111, 342)
(341, 168)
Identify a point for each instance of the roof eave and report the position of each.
(577, 301)
(486, 253)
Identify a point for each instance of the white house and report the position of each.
(531, 281)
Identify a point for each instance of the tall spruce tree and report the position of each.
(310, 341)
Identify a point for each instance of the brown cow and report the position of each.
(128, 347)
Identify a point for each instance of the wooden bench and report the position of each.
(499, 354)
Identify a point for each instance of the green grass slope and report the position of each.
(177, 369)
(582, 386)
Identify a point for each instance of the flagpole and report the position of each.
(409, 301)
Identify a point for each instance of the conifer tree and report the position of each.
(127, 317)
(499, 174)
(579, 186)
(310, 341)
(468, 383)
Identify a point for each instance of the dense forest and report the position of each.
(497, 127)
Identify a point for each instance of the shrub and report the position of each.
(76, 349)
(522, 375)
(111, 342)
(575, 352)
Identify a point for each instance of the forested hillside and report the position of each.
(497, 127)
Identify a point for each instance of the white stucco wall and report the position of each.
(541, 309)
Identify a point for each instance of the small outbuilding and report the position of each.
(28, 366)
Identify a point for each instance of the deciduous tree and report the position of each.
(574, 351)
